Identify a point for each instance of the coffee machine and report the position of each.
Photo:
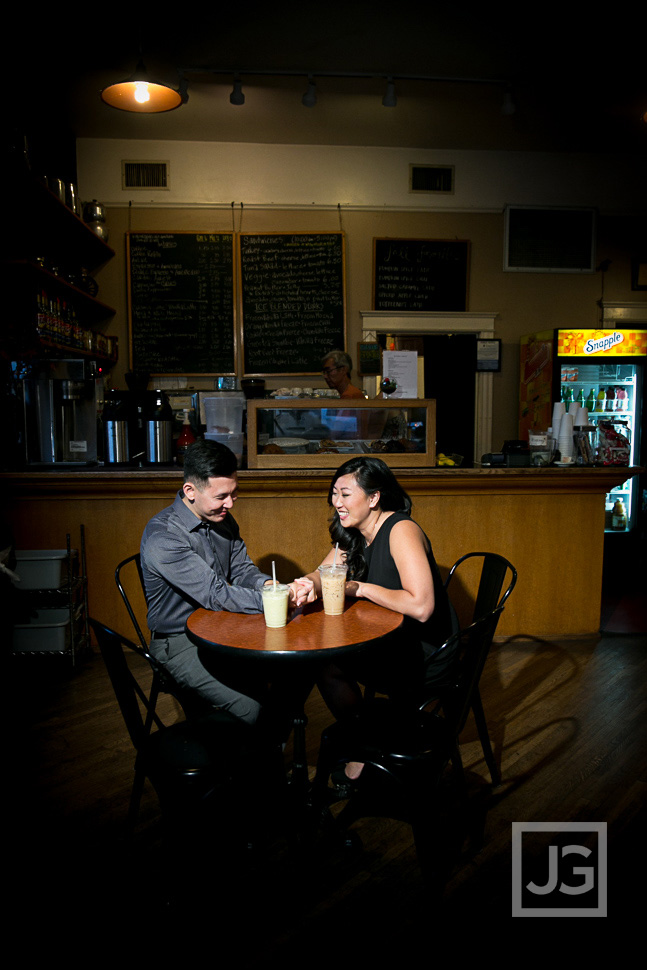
(60, 400)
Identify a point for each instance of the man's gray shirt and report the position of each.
(188, 563)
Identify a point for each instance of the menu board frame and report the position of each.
(426, 275)
(267, 261)
(144, 306)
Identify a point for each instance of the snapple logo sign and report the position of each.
(604, 343)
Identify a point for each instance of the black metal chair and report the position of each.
(129, 573)
(135, 564)
(405, 754)
(494, 570)
(193, 765)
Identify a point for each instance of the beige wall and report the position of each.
(524, 301)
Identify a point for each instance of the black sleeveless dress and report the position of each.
(404, 663)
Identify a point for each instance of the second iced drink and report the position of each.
(333, 588)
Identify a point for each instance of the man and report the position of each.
(192, 555)
(337, 366)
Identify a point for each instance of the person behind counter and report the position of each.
(391, 563)
(336, 368)
(192, 555)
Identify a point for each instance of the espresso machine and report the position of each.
(60, 400)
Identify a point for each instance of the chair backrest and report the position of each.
(472, 645)
(134, 562)
(494, 570)
(192, 704)
(137, 707)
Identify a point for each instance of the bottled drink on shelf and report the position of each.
(611, 400)
(599, 404)
(581, 398)
(590, 401)
(619, 516)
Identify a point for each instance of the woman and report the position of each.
(391, 563)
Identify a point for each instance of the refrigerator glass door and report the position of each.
(610, 391)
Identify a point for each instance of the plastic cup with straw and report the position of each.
(275, 602)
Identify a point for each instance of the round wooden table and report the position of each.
(310, 635)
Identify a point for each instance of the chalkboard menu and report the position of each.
(293, 304)
(181, 302)
(420, 274)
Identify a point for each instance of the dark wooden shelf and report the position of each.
(38, 224)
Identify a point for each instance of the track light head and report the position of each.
(309, 99)
(237, 96)
(389, 100)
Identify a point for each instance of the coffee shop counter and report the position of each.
(548, 522)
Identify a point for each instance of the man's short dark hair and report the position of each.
(208, 459)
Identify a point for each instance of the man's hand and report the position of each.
(302, 591)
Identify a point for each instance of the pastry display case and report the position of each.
(323, 433)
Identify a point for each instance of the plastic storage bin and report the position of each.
(42, 568)
(46, 633)
(224, 413)
(233, 441)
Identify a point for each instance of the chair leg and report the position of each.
(299, 756)
(136, 797)
(481, 726)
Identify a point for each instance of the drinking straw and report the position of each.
(334, 562)
(274, 573)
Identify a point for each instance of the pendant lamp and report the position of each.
(139, 93)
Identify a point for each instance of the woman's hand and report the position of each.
(302, 590)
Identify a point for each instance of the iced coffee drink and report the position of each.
(275, 604)
(333, 588)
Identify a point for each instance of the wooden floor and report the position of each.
(568, 723)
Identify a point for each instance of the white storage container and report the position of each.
(47, 632)
(233, 441)
(42, 568)
(224, 413)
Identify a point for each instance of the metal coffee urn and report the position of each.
(61, 412)
(116, 415)
(159, 429)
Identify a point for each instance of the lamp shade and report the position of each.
(138, 93)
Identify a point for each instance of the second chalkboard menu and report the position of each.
(420, 274)
(181, 302)
(293, 303)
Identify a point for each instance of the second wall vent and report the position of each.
(431, 178)
(144, 175)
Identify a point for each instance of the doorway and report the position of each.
(450, 366)
(481, 324)
(449, 371)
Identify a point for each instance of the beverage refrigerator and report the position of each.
(604, 370)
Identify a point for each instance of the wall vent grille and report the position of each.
(431, 179)
(144, 175)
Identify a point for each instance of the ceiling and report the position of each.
(576, 88)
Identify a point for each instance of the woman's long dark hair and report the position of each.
(372, 475)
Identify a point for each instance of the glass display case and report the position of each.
(322, 433)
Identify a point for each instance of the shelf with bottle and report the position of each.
(614, 399)
(39, 222)
(49, 314)
(72, 285)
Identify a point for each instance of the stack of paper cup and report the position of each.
(581, 419)
(558, 410)
(565, 440)
(573, 408)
